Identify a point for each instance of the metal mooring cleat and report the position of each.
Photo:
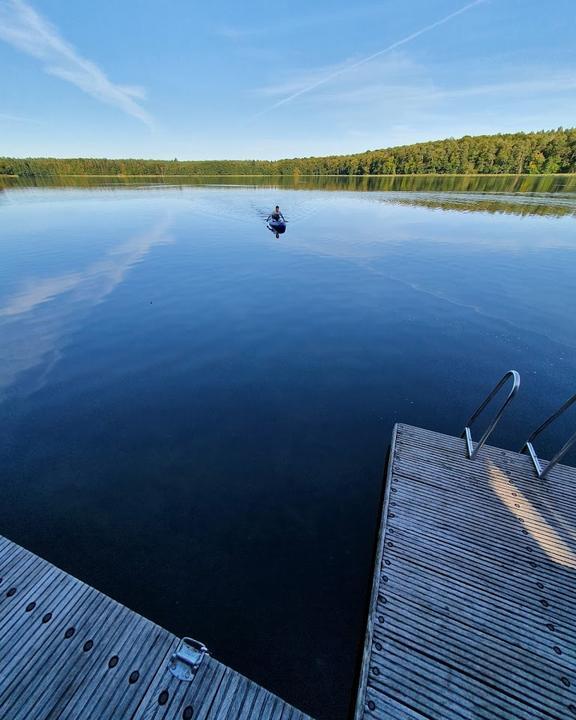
(187, 658)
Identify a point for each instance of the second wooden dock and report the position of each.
(68, 652)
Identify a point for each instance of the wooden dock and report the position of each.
(69, 652)
(473, 608)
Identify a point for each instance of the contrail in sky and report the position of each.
(367, 59)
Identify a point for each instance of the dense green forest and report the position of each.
(552, 151)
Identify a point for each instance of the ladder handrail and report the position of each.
(528, 445)
(473, 451)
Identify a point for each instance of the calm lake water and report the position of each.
(195, 415)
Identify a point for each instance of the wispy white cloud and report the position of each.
(302, 78)
(369, 58)
(395, 69)
(17, 118)
(548, 84)
(397, 100)
(401, 89)
(23, 28)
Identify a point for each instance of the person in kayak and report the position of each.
(276, 215)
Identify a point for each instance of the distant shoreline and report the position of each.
(292, 177)
(546, 152)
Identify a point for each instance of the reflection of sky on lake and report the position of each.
(36, 318)
(195, 405)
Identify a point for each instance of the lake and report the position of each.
(195, 414)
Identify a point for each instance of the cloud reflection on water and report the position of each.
(36, 319)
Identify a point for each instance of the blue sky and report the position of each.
(198, 80)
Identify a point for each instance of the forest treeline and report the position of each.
(549, 151)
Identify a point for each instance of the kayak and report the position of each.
(277, 226)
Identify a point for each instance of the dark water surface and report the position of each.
(195, 415)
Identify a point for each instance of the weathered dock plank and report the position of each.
(68, 651)
(473, 608)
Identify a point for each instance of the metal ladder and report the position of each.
(471, 450)
(528, 446)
